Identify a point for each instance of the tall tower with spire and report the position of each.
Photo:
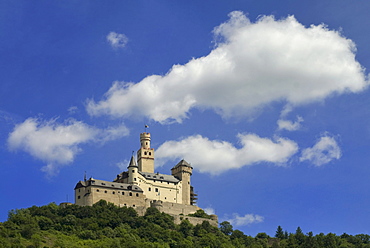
(145, 155)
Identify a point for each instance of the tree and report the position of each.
(226, 228)
(279, 233)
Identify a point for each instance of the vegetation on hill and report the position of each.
(106, 225)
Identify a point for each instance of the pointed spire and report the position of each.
(132, 162)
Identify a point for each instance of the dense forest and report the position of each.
(106, 225)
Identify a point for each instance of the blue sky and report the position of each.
(268, 100)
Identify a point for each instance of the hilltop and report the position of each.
(106, 225)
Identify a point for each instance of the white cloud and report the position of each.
(289, 125)
(117, 40)
(112, 133)
(72, 110)
(323, 152)
(209, 210)
(245, 220)
(215, 157)
(56, 144)
(254, 64)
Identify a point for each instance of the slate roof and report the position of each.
(159, 177)
(182, 163)
(107, 184)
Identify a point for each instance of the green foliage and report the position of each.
(106, 225)
(226, 228)
(200, 214)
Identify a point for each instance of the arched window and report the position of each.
(130, 194)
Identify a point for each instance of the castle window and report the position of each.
(102, 183)
(133, 171)
(79, 190)
(133, 205)
(156, 189)
(137, 195)
(165, 198)
(145, 153)
(125, 204)
(97, 190)
(123, 193)
(105, 191)
(130, 194)
(113, 192)
(78, 197)
(135, 179)
(112, 185)
(154, 177)
(150, 153)
(121, 186)
(149, 189)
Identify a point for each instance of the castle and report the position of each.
(140, 188)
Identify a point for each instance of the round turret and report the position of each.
(145, 140)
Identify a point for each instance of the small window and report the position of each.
(123, 193)
(165, 198)
(113, 192)
(154, 176)
(97, 190)
(121, 186)
(78, 197)
(145, 153)
(149, 189)
(133, 171)
(102, 183)
(105, 191)
(156, 189)
(130, 194)
(79, 190)
(133, 205)
(135, 179)
(137, 195)
(112, 185)
(150, 153)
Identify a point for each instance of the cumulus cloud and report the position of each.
(215, 157)
(117, 40)
(289, 125)
(247, 219)
(54, 143)
(324, 151)
(253, 64)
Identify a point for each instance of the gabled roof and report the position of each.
(107, 184)
(159, 177)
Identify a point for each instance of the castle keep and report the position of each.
(139, 187)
